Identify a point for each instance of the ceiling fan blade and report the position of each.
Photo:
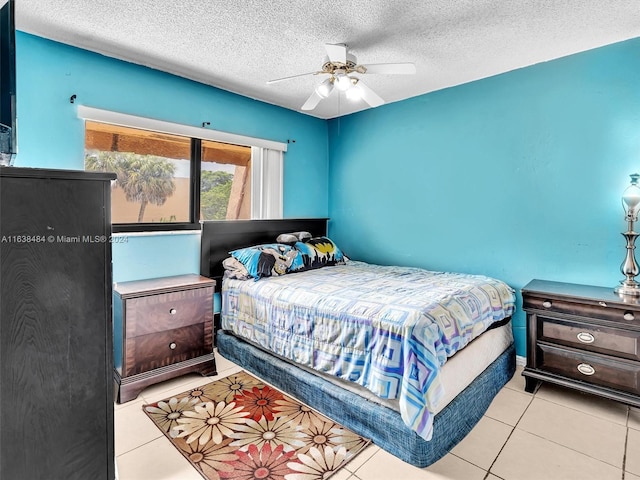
(368, 95)
(312, 102)
(337, 53)
(276, 80)
(391, 68)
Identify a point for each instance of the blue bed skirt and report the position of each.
(381, 424)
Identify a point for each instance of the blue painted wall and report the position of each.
(517, 176)
(50, 135)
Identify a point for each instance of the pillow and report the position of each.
(291, 238)
(316, 252)
(266, 260)
(233, 268)
(302, 236)
(288, 238)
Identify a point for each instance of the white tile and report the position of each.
(223, 365)
(451, 467)
(565, 417)
(173, 387)
(118, 406)
(634, 418)
(162, 390)
(232, 370)
(529, 457)
(384, 466)
(484, 442)
(342, 474)
(593, 436)
(632, 461)
(517, 381)
(509, 406)
(133, 428)
(157, 460)
(585, 402)
(361, 458)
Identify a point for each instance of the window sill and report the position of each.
(154, 228)
(156, 234)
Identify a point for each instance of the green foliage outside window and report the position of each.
(215, 189)
(144, 179)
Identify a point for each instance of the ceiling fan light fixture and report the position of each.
(354, 93)
(343, 82)
(325, 88)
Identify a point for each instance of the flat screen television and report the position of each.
(8, 116)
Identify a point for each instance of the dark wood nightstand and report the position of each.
(583, 337)
(162, 328)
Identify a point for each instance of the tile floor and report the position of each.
(556, 434)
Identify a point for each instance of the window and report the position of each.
(154, 172)
(171, 181)
(225, 181)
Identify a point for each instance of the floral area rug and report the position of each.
(240, 428)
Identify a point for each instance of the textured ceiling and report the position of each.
(240, 45)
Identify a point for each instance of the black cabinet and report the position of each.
(56, 347)
(583, 337)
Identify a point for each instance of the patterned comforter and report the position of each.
(389, 329)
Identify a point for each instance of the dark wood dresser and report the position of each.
(583, 337)
(56, 363)
(163, 328)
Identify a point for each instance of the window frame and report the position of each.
(197, 135)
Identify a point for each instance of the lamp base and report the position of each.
(627, 288)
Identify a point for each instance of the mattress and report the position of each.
(456, 375)
(388, 329)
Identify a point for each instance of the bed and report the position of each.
(388, 375)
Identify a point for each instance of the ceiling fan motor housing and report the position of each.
(330, 67)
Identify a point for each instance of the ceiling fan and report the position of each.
(341, 66)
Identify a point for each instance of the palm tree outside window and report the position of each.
(169, 181)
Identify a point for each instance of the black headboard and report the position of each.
(219, 237)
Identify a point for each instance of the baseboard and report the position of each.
(521, 361)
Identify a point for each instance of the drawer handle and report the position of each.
(586, 369)
(628, 316)
(586, 337)
(172, 345)
(546, 304)
(173, 311)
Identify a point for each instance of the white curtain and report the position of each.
(266, 183)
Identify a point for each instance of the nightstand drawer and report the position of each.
(148, 352)
(592, 368)
(607, 340)
(166, 311)
(600, 310)
(162, 328)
